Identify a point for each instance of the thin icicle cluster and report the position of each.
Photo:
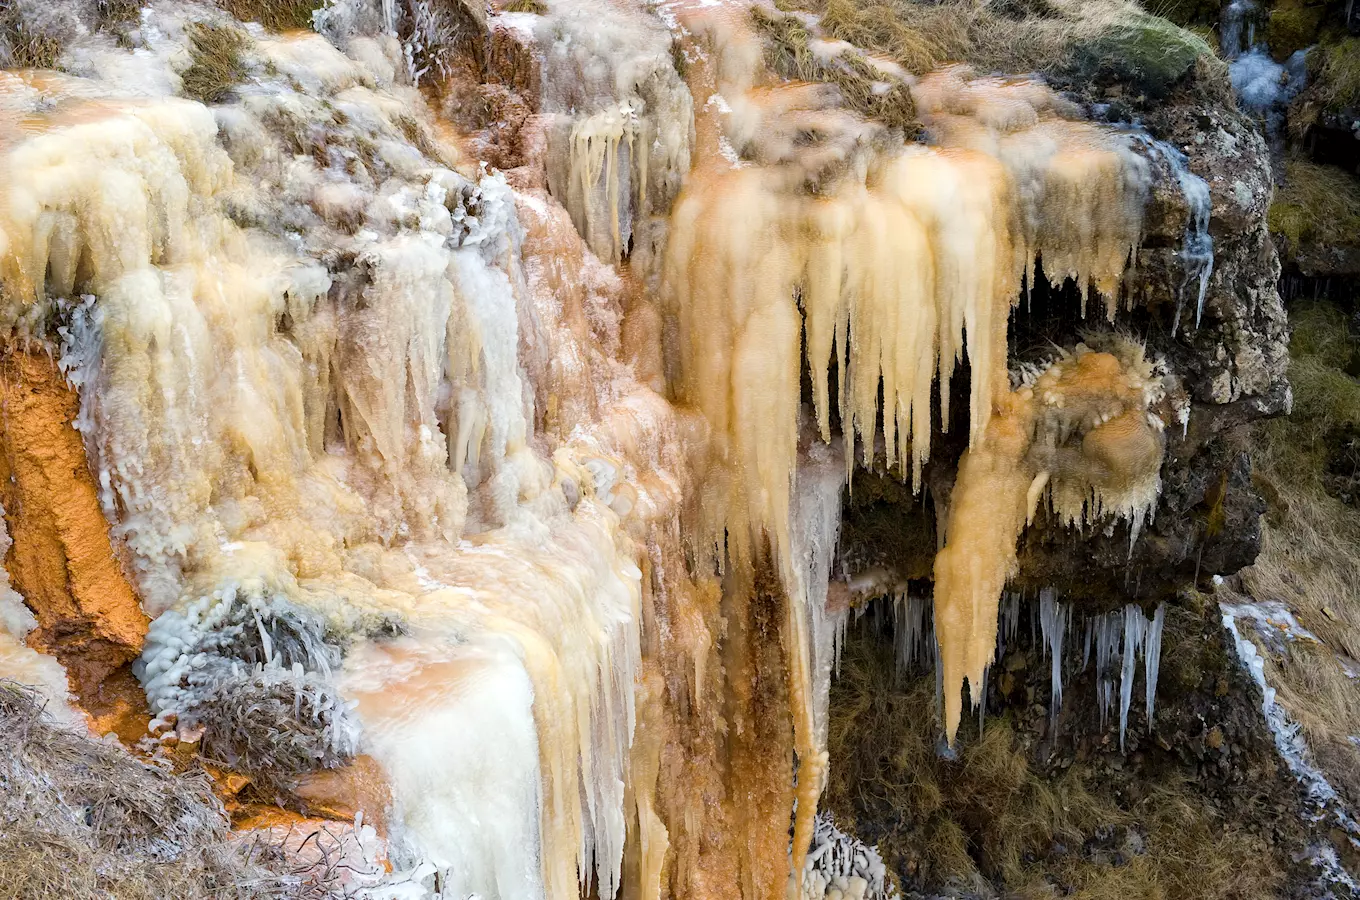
(1055, 619)
(1116, 641)
(1140, 637)
(619, 123)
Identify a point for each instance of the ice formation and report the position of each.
(513, 489)
(839, 867)
(1081, 434)
(1197, 252)
(297, 341)
(1263, 86)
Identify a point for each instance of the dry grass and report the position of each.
(275, 15)
(22, 45)
(989, 820)
(788, 54)
(81, 819)
(118, 12)
(1336, 72)
(1012, 35)
(1308, 557)
(217, 66)
(1316, 205)
(538, 7)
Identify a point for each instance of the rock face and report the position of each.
(62, 561)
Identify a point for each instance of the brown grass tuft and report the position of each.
(81, 819)
(275, 15)
(990, 820)
(217, 66)
(1308, 556)
(538, 7)
(788, 53)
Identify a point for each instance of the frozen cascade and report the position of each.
(816, 527)
(1266, 88)
(387, 444)
(292, 432)
(1263, 86)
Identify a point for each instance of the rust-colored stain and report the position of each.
(62, 561)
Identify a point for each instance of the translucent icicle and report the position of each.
(1135, 632)
(1152, 658)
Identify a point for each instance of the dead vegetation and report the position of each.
(25, 41)
(1013, 36)
(990, 821)
(275, 15)
(863, 88)
(81, 819)
(217, 65)
(1308, 556)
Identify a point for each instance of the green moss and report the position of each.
(1336, 72)
(217, 66)
(1316, 205)
(1152, 52)
(1293, 25)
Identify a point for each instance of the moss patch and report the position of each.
(1335, 69)
(1293, 25)
(1150, 51)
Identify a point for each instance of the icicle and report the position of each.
(1135, 632)
(1054, 618)
(1109, 629)
(912, 631)
(1152, 659)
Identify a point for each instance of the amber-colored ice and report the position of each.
(806, 233)
(323, 359)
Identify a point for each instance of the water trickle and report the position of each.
(1197, 250)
